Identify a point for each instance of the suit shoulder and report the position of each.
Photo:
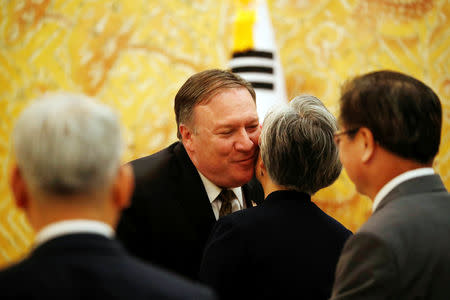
(147, 164)
(11, 272)
(405, 211)
(19, 267)
(378, 223)
(166, 283)
(338, 227)
(244, 219)
(233, 220)
(412, 222)
(161, 168)
(13, 277)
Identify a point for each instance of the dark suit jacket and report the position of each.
(91, 266)
(171, 217)
(285, 248)
(403, 250)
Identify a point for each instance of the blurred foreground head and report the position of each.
(68, 153)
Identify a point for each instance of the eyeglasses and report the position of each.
(337, 134)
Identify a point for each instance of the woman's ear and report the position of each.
(260, 168)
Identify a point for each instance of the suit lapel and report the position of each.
(422, 184)
(192, 194)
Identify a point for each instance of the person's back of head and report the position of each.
(391, 124)
(297, 146)
(403, 114)
(68, 151)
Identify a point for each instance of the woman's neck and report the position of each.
(269, 186)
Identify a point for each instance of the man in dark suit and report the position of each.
(287, 247)
(177, 197)
(69, 183)
(391, 129)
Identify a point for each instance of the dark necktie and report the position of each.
(226, 198)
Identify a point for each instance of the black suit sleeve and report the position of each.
(224, 257)
(366, 270)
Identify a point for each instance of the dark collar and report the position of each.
(287, 195)
(78, 243)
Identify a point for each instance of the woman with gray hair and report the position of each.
(287, 245)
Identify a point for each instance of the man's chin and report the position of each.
(244, 179)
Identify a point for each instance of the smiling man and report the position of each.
(182, 190)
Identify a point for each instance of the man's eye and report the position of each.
(226, 132)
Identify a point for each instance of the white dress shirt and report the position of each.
(57, 229)
(213, 191)
(394, 182)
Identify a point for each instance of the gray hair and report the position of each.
(67, 144)
(297, 145)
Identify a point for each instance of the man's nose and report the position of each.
(244, 142)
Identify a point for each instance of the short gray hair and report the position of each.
(297, 145)
(67, 144)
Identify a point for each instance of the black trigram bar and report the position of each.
(253, 53)
(262, 85)
(256, 69)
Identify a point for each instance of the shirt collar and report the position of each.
(396, 181)
(213, 190)
(57, 229)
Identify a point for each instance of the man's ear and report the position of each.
(123, 187)
(186, 137)
(19, 188)
(368, 144)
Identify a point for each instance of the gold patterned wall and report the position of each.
(134, 55)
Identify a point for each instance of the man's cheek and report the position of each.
(255, 138)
